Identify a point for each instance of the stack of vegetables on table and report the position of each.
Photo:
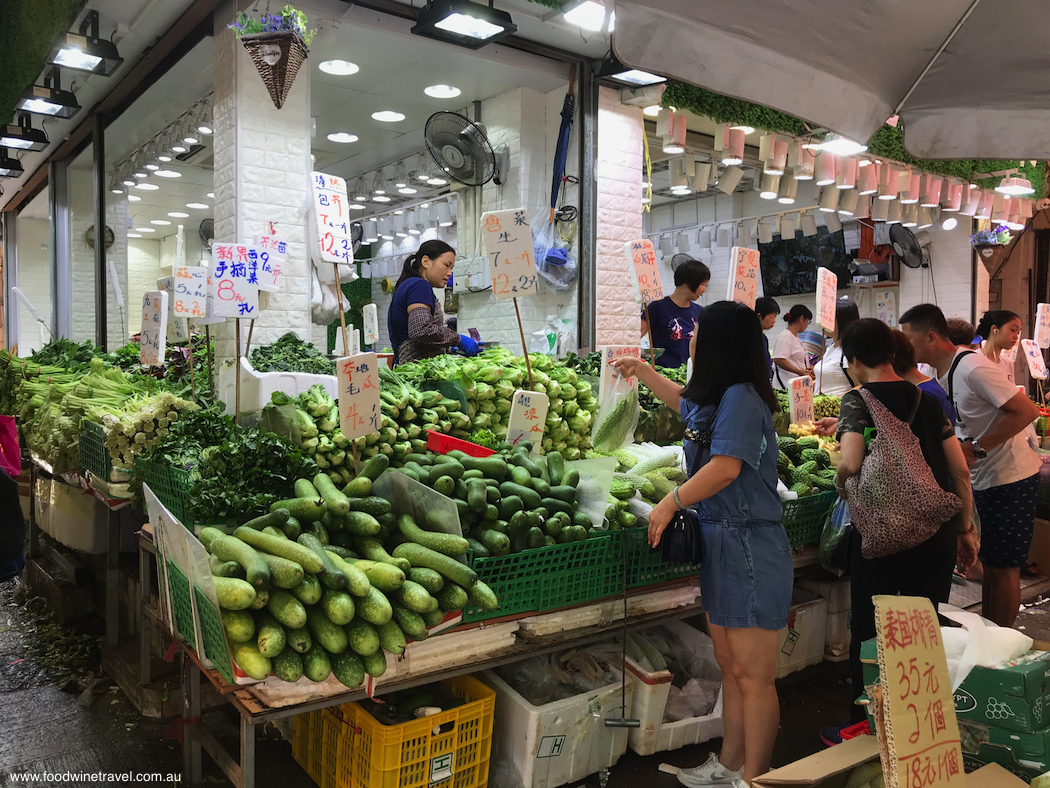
(804, 465)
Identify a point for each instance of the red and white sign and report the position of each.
(645, 279)
(528, 417)
(1034, 356)
(507, 240)
(190, 296)
(152, 344)
(333, 218)
(235, 280)
(358, 394)
(802, 400)
(1041, 335)
(827, 295)
(272, 250)
(743, 276)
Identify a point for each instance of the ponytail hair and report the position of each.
(796, 313)
(432, 249)
(995, 317)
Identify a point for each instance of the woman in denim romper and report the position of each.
(746, 572)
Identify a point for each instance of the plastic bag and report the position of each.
(555, 259)
(983, 644)
(833, 554)
(621, 432)
(556, 338)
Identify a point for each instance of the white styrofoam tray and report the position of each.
(801, 643)
(256, 387)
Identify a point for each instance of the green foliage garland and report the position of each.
(28, 28)
(723, 109)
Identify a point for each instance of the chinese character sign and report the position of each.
(154, 328)
(802, 400)
(333, 218)
(528, 415)
(1034, 356)
(743, 276)
(827, 294)
(370, 313)
(190, 295)
(358, 395)
(1041, 335)
(922, 735)
(645, 274)
(271, 258)
(507, 239)
(178, 329)
(235, 280)
(886, 307)
(609, 377)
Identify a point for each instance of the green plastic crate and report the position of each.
(213, 636)
(94, 456)
(645, 566)
(804, 518)
(170, 485)
(578, 572)
(181, 603)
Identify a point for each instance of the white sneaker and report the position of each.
(710, 773)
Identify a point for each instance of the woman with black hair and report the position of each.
(790, 359)
(416, 319)
(831, 372)
(767, 310)
(1000, 329)
(746, 573)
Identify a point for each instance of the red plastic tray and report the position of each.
(443, 444)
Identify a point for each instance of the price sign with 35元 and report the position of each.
(507, 239)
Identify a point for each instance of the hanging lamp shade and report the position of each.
(880, 209)
(701, 176)
(825, 169)
(887, 182)
(909, 214)
(777, 161)
(665, 246)
(787, 226)
(733, 151)
(682, 242)
(769, 186)
(703, 239)
(1026, 209)
(788, 190)
(893, 216)
(846, 173)
(868, 179)
(911, 196)
(832, 222)
(925, 217)
(809, 224)
(730, 179)
(724, 238)
(806, 163)
(765, 232)
(829, 199)
(848, 202)
(971, 200)
(931, 194)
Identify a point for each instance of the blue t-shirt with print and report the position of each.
(416, 290)
(752, 495)
(672, 327)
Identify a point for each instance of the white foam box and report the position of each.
(256, 387)
(834, 589)
(557, 743)
(651, 691)
(837, 593)
(801, 643)
(66, 513)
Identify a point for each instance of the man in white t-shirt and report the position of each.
(991, 418)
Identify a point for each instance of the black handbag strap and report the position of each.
(915, 407)
(842, 366)
(951, 378)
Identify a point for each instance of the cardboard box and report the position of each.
(801, 643)
(1025, 754)
(1012, 696)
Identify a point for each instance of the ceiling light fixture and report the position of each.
(730, 179)
(930, 191)
(1015, 186)
(442, 91)
(160, 222)
(769, 186)
(197, 206)
(807, 161)
(911, 196)
(339, 68)
(893, 212)
(355, 206)
(732, 150)
(202, 123)
(909, 214)
(146, 186)
(23, 136)
(134, 198)
(378, 183)
(190, 135)
(360, 192)
(846, 173)
(388, 116)
(422, 169)
(126, 177)
(463, 23)
(168, 174)
(134, 235)
(400, 175)
(824, 172)
(674, 142)
(86, 51)
(380, 198)
(984, 208)
(745, 129)
(701, 176)
(342, 137)
(848, 202)
(950, 223)
(370, 232)
(145, 230)
(407, 190)
(612, 70)
(788, 190)
(115, 186)
(211, 195)
(868, 179)
(840, 146)
(178, 214)
(832, 222)
(652, 111)
(587, 14)
(444, 215)
(49, 99)
(880, 209)
(778, 157)
(829, 199)
(10, 167)
(437, 181)
(887, 182)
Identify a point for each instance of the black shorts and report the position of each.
(1007, 517)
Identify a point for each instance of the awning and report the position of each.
(970, 79)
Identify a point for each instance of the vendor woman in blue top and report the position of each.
(673, 318)
(746, 573)
(416, 320)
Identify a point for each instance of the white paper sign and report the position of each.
(355, 342)
(358, 394)
(1034, 356)
(1010, 354)
(608, 376)
(333, 219)
(371, 320)
(507, 239)
(528, 416)
(154, 327)
(190, 295)
(743, 276)
(272, 250)
(827, 295)
(178, 330)
(645, 273)
(802, 400)
(1041, 335)
(886, 307)
(235, 280)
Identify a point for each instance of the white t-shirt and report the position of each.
(979, 389)
(788, 347)
(831, 379)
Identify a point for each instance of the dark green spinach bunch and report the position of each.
(291, 354)
(63, 352)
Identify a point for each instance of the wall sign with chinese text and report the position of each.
(333, 218)
(235, 280)
(921, 733)
(528, 417)
(743, 276)
(1034, 356)
(645, 273)
(154, 328)
(802, 400)
(507, 240)
(190, 293)
(358, 394)
(886, 307)
(272, 250)
(827, 295)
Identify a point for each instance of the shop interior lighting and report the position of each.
(10, 167)
(378, 184)
(178, 214)
(612, 70)
(848, 202)
(806, 164)
(134, 235)
(422, 168)
(925, 217)
(701, 176)
(682, 242)
(778, 157)
(463, 23)
(733, 150)
(1000, 209)
(360, 192)
(126, 177)
(407, 190)
(984, 208)
(442, 91)
(138, 170)
(145, 230)
(950, 223)
(971, 202)
(703, 239)
(202, 121)
(887, 182)
(211, 195)
(437, 180)
(23, 136)
(652, 111)
(909, 214)
(787, 226)
(168, 174)
(824, 173)
(845, 173)
(86, 51)
(770, 186)
(590, 15)
(400, 175)
(832, 222)
(380, 198)
(146, 186)
(371, 231)
(911, 196)
(355, 206)
(49, 99)
(115, 186)
(160, 222)
(765, 233)
(674, 142)
(745, 129)
(444, 215)
(413, 224)
(788, 189)
(829, 199)
(880, 210)
(339, 68)
(868, 179)
(342, 137)
(189, 132)
(399, 227)
(151, 158)
(1026, 209)
(1015, 186)
(730, 179)
(197, 206)
(385, 230)
(930, 191)
(809, 225)
(840, 146)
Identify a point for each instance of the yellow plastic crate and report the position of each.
(307, 744)
(451, 748)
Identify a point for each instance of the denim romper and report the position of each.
(746, 574)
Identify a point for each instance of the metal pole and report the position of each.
(98, 190)
(11, 306)
(588, 100)
(59, 252)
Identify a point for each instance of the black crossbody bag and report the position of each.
(680, 543)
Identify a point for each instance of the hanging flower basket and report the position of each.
(277, 57)
(991, 255)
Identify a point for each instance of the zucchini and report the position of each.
(418, 555)
(309, 591)
(291, 529)
(360, 524)
(220, 568)
(477, 498)
(412, 624)
(332, 638)
(448, 544)
(414, 597)
(342, 552)
(271, 638)
(482, 596)
(276, 518)
(356, 582)
(428, 578)
(494, 541)
(433, 618)
(375, 664)
(373, 468)
(385, 577)
(348, 669)
(373, 550)
(391, 638)
(283, 573)
(338, 606)
(305, 510)
(293, 551)
(275, 532)
(330, 575)
(208, 534)
(254, 664)
(359, 487)
(362, 637)
(234, 594)
(316, 664)
(479, 550)
(452, 597)
(239, 625)
(318, 532)
(262, 599)
(529, 497)
(372, 504)
(555, 467)
(374, 608)
(288, 665)
(287, 609)
(335, 502)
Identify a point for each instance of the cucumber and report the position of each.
(298, 639)
(283, 573)
(448, 567)
(318, 532)
(239, 625)
(274, 532)
(391, 638)
(555, 467)
(220, 568)
(428, 578)
(520, 457)
(529, 497)
(476, 495)
(209, 534)
(452, 597)
(342, 552)
(347, 668)
(445, 485)
(288, 665)
(309, 591)
(448, 544)
(287, 609)
(554, 526)
(262, 599)
(291, 529)
(271, 638)
(510, 504)
(362, 637)
(356, 582)
(373, 550)
(304, 488)
(360, 524)
(234, 594)
(482, 596)
(338, 606)
(421, 473)
(448, 466)
(412, 624)
(331, 575)
(375, 664)
(305, 510)
(418, 459)
(374, 608)
(359, 487)
(492, 467)
(407, 472)
(331, 638)
(414, 597)
(433, 618)
(579, 533)
(276, 518)
(335, 502)
(479, 550)
(316, 664)
(373, 505)
(534, 538)
(254, 664)
(306, 558)
(472, 474)
(582, 518)
(373, 467)
(554, 505)
(385, 577)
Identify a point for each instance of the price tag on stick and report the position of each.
(333, 219)
(645, 279)
(1041, 335)
(235, 280)
(358, 394)
(272, 250)
(802, 400)
(827, 295)
(1034, 356)
(370, 314)
(507, 239)
(191, 292)
(153, 344)
(528, 417)
(743, 276)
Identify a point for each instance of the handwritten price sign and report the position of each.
(1042, 325)
(370, 313)
(235, 280)
(333, 220)
(190, 298)
(528, 416)
(178, 330)
(827, 294)
(1034, 356)
(507, 239)
(154, 328)
(608, 376)
(802, 400)
(743, 276)
(886, 307)
(272, 251)
(358, 394)
(646, 280)
(922, 735)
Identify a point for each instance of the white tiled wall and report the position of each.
(144, 258)
(34, 279)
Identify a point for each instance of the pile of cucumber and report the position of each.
(508, 501)
(310, 589)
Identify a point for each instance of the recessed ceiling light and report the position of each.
(179, 147)
(387, 116)
(160, 222)
(197, 206)
(652, 111)
(341, 68)
(745, 129)
(398, 213)
(211, 195)
(442, 91)
(406, 190)
(381, 198)
(152, 166)
(343, 137)
(354, 206)
(147, 187)
(145, 229)
(134, 198)
(134, 235)
(164, 158)
(178, 215)
(168, 174)
(437, 181)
